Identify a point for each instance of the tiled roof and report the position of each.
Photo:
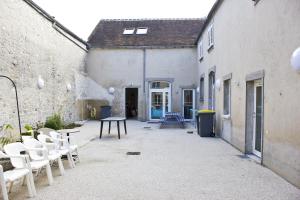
(161, 33)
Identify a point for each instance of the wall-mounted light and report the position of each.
(218, 84)
(69, 87)
(198, 89)
(111, 90)
(41, 82)
(295, 60)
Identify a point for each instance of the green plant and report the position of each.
(55, 122)
(71, 125)
(7, 135)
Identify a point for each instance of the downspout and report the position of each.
(144, 84)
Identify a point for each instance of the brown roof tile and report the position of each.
(161, 33)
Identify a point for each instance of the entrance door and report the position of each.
(257, 118)
(188, 104)
(131, 101)
(160, 96)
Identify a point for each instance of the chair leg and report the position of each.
(3, 185)
(29, 187)
(49, 174)
(61, 166)
(32, 183)
(71, 161)
(77, 155)
(10, 186)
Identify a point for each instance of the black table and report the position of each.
(113, 119)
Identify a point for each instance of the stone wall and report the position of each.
(30, 47)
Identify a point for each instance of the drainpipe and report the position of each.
(17, 100)
(144, 84)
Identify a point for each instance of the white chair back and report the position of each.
(61, 144)
(33, 143)
(15, 149)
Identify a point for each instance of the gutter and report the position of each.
(209, 17)
(56, 25)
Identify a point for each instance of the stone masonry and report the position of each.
(30, 47)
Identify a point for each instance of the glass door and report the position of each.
(188, 104)
(258, 118)
(156, 105)
(159, 99)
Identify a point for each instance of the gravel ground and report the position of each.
(172, 165)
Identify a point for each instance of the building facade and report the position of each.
(244, 53)
(152, 72)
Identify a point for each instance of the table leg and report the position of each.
(109, 127)
(118, 124)
(101, 128)
(68, 135)
(125, 127)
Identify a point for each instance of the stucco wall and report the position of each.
(121, 68)
(30, 47)
(249, 38)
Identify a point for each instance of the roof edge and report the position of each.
(210, 15)
(50, 18)
(147, 47)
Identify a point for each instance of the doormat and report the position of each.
(190, 132)
(133, 153)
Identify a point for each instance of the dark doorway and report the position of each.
(131, 103)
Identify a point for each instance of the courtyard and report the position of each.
(172, 165)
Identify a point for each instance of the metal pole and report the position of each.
(18, 110)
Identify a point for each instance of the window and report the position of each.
(211, 91)
(128, 31)
(141, 31)
(202, 90)
(159, 85)
(200, 50)
(210, 34)
(227, 97)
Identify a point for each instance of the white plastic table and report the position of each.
(68, 131)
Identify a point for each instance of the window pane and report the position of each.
(226, 109)
(160, 85)
(202, 90)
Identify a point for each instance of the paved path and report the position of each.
(173, 165)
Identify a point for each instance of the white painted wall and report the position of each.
(249, 38)
(121, 68)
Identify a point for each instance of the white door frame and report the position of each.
(257, 83)
(163, 91)
(194, 104)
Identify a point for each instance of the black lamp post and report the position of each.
(17, 100)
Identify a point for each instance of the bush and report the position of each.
(55, 122)
(71, 125)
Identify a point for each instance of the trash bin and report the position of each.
(105, 111)
(205, 123)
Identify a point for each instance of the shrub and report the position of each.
(55, 122)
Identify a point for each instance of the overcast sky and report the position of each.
(81, 16)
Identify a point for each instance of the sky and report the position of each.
(81, 16)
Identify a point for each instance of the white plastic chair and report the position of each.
(11, 176)
(15, 149)
(54, 146)
(52, 155)
(63, 142)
